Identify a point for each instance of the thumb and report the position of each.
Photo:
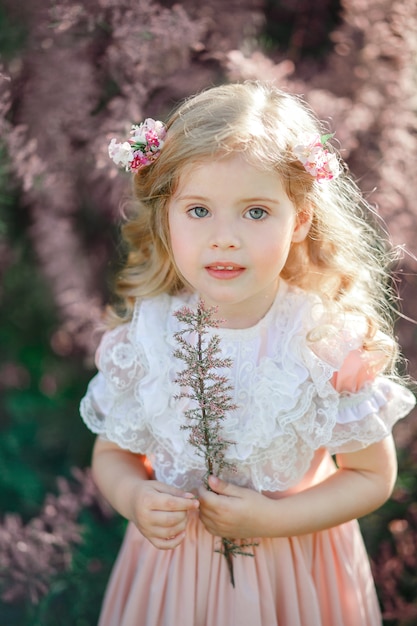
(222, 487)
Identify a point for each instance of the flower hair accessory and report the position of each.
(141, 148)
(316, 158)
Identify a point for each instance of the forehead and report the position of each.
(230, 172)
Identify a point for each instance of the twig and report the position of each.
(211, 393)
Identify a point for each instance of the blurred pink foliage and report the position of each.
(395, 567)
(31, 554)
(90, 69)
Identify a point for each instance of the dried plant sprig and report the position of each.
(206, 386)
(211, 392)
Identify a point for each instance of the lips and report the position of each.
(225, 270)
(224, 265)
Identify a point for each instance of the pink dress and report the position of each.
(299, 402)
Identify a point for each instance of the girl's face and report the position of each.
(231, 228)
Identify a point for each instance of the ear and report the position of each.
(302, 224)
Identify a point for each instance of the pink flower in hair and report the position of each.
(316, 158)
(142, 148)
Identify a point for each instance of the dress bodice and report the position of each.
(289, 405)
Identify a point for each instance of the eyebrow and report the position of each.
(260, 199)
(244, 200)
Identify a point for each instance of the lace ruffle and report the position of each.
(288, 407)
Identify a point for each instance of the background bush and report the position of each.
(71, 76)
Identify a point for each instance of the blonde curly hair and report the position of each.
(345, 259)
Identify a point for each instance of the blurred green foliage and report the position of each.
(12, 33)
(41, 433)
(299, 27)
(74, 598)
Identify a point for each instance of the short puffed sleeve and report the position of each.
(111, 406)
(369, 402)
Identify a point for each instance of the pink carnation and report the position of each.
(316, 159)
(143, 147)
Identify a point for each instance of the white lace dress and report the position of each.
(298, 403)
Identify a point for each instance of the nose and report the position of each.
(225, 234)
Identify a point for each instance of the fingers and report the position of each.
(217, 489)
(169, 489)
(170, 523)
(165, 530)
(162, 513)
(155, 496)
(223, 488)
(213, 507)
(167, 544)
(167, 498)
(167, 537)
(226, 509)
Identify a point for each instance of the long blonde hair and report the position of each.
(346, 257)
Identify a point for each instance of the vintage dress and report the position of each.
(299, 402)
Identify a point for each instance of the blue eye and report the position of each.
(257, 213)
(198, 211)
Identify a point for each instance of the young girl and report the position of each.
(243, 203)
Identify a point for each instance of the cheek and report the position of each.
(176, 249)
(174, 234)
(274, 255)
(180, 248)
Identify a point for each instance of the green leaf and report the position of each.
(325, 138)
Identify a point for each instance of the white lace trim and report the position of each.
(287, 405)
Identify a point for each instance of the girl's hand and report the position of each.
(362, 482)
(160, 512)
(232, 512)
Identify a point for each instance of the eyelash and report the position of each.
(192, 213)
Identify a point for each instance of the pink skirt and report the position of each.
(321, 579)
